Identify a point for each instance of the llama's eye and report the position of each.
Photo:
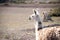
(32, 16)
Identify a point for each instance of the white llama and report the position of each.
(38, 25)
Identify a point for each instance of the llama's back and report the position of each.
(51, 33)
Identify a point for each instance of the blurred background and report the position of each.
(14, 14)
(30, 1)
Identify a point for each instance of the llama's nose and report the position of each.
(29, 18)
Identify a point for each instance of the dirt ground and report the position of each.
(14, 23)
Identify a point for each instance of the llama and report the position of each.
(47, 16)
(38, 24)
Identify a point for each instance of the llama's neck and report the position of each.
(38, 26)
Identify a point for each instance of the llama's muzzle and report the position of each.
(29, 18)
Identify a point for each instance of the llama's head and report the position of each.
(35, 15)
(38, 19)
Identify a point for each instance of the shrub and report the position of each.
(55, 12)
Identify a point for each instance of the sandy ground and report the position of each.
(14, 23)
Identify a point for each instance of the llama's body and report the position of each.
(50, 33)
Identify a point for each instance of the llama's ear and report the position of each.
(35, 11)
